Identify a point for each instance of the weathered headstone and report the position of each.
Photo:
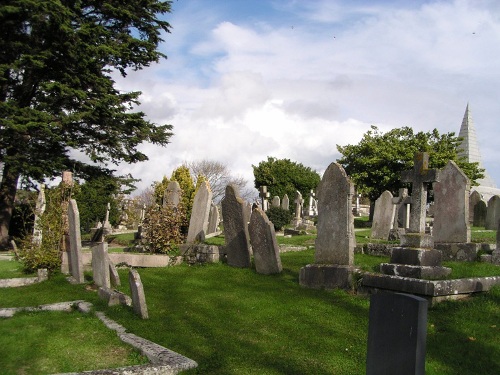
(451, 206)
(66, 188)
(334, 250)
(285, 203)
(402, 209)
(396, 335)
(493, 212)
(312, 204)
(299, 201)
(137, 292)
(416, 256)
(265, 248)
(100, 265)
(75, 253)
(383, 216)
(474, 198)
(106, 226)
(198, 224)
(213, 219)
(114, 277)
(276, 202)
(39, 210)
(237, 244)
(480, 212)
(173, 194)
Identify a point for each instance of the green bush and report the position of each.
(279, 217)
(162, 228)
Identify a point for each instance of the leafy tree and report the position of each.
(57, 93)
(279, 217)
(376, 162)
(159, 188)
(183, 177)
(219, 176)
(282, 176)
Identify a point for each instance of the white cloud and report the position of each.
(238, 91)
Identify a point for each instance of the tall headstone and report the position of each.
(451, 206)
(397, 335)
(39, 210)
(173, 194)
(480, 212)
(265, 248)
(213, 219)
(138, 296)
(100, 265)
(334, 254)
(198, 224)
(383, 216)
(474, 197)
(312, 204)
(285, 203)
(299, 201)
(493, 212)
(106, 226)
(66, 188)
(75, 253)
(416, 256)
(237, 242)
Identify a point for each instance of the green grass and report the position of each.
(479, 235)
(235, 321)
(11, 269)
(52, 342)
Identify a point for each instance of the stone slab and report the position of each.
(429, 288)
(416, 257)
(419, 272)
(327, 276)
(114, 297)
(417, 240)
(467, 252)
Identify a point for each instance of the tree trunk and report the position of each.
(8, 188)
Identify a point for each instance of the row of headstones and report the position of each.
(451, 208)
(103, 270)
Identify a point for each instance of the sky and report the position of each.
(245, 80)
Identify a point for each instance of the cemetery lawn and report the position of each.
(235, 321)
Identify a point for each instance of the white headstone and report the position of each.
(383, 216)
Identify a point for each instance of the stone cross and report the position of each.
(419, 176)
(298, 205)
(264, 194)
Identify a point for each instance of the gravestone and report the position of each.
(276, 202)
(285, 203)
(264, 194)
(100, 265)
(493, 212)
(495, 255)
(474, 198)
(236, 237)
(402, 210)
(172, 195)
(334, 250)
(383, 216)
(39, 210)
(311, 210)
(298, 209)
(106, 226)
(66, 188)
(480, 212)
(451, 206)
(114, 277)
(265, 248)
(198, 224)
(75, 243)
(213, 219)
(416, 256)
(137, 293)
(397, 334)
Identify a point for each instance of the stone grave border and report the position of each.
(162, 360)
(22, 281)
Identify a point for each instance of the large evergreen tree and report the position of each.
(57, 93)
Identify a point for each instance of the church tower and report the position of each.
(469, 147)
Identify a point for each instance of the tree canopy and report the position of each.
(376, 162)
(283, 176)
(57, 92)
